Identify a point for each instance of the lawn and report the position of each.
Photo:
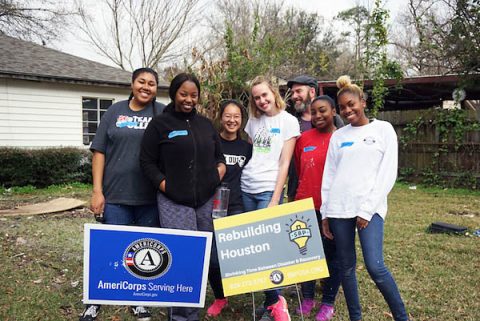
(438, 274)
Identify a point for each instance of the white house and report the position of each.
(50, 99)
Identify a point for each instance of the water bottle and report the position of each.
(220, 201)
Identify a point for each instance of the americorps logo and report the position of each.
(276, 277)
(147, 259)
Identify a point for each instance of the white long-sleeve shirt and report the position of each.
(360, 171)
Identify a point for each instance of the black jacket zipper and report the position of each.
(194, 164)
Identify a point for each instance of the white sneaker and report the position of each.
(141, 313)
(90, 313)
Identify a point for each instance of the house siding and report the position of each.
(40, 114)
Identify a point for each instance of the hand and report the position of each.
(272, 203)
(97, 203)
(222, 169)
(361, 223)
(162, 186)
(326, 229)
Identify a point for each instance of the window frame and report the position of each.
(98, 113)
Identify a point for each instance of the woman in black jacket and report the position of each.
(181, 155)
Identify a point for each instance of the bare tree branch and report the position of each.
(141, 32)
(37, 20)
(440, 36)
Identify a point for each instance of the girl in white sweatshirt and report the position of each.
(360, 171)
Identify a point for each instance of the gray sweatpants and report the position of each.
(176, 216)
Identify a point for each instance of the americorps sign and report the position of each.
(270, 248)
(127, 265)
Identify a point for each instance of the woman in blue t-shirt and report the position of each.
(121, 194)
(237, 153)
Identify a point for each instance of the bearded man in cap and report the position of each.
(303, 90)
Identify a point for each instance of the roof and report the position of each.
(26, 60)
(416, 92)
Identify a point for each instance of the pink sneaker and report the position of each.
(306, 307)
(280, 310)
(326, 313)
(217, 307)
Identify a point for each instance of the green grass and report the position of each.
(13, 196)
(438, 274)
(50, 190)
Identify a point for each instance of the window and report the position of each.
(92, 111)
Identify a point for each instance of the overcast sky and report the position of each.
(72, 44)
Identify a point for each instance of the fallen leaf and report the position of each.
(387, 314)
(20, 241)
(60, 279)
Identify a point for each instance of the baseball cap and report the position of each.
(303, 80)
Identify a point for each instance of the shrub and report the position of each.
(44, 167)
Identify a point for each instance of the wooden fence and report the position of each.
(424, 156)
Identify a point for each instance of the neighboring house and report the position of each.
(50, 99)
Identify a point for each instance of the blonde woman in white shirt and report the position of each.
(273, 133)
(360, 171)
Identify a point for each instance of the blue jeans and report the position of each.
(252, 202)
(331, 284)
(138, 215)
(371, 240)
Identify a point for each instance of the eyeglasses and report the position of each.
(232, 116)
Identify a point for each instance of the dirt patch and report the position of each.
(464, 213)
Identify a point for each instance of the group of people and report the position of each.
(159, 166)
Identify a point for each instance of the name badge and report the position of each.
(177, 133)
(346, 144)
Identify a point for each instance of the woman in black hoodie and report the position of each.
(181, 155)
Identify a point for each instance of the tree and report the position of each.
(415, 41)
(370, 60)
(375, 55)
(300, 42)
(315, 46)
(140, 32)
(253, 38)
(440, 36)
(357, 17)
(38, 20)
